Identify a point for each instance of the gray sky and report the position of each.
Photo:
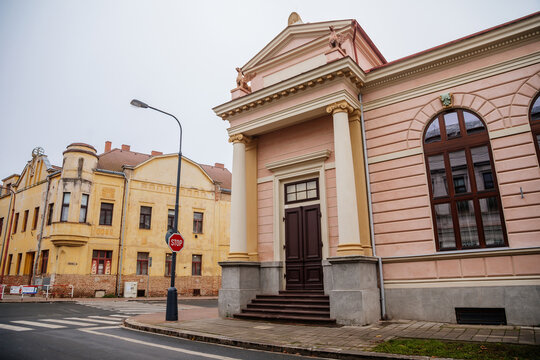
(69, 68)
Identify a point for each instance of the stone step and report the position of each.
(295, 312)
(269, 305)
(292, 301)
(286, 318)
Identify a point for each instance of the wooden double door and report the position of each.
(303, 248)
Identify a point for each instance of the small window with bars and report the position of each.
(302, 191)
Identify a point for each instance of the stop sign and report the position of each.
(176, 242)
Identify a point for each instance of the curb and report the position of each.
(129, 323)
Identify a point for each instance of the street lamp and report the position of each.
(172, 295)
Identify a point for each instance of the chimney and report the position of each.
(108, 145)
(125, 147)
(156, 153)
(220, 165)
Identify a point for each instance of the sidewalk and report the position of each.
(347, 342)
(41, 299)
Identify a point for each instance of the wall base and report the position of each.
(521, 303)
(240, 283)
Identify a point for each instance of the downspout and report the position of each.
(122, 233)
(7, 233)
(40, 237)
(370, 208)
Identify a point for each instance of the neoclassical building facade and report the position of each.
(407, 189)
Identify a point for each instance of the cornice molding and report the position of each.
(289, 114)
(343, 68)
(319, 156)
(458, 51)
(457, 80)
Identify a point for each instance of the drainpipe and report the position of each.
(7, 233)
(40, 237)
(370, 207)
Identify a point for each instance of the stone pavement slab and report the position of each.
(345, 342)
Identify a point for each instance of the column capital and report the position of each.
(239, 138)
(340, 106)
(354, 116)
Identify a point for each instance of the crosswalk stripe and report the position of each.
(94, 320)
(13, 327)
(104, 318)
(40, 324)
(68, 322)
(121, 316)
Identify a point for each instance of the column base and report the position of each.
(354, 297)
(238, 256)
(240, 282)
(350, 249)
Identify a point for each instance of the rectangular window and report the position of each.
(25, 220)
(146, 217)
(10, 261)
(84, 208)
(19, 260)
(35, 219)
(168, 264)
(105, 214)
(170, 220)
(49, 215)
(196, 261)
(198, 222)
(44, 261)
(65, 207)
(101, 262)
(142, 263)
(302, 191)
(1, 225)
(15, 223)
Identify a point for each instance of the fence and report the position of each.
(57, 290)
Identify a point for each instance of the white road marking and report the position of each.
(190, 352)
(13, 327)
(121, 316)
(94, 320)
(40, 324)
(68, 322)
(105, 318)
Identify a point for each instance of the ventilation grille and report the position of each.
(481, 316)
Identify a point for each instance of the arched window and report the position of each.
(465, 200)
(535, 123)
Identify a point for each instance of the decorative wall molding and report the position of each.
(509, 131)
(319, 156)
(464, 282)
(462, 254)
(395, 155)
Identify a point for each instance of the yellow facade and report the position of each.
(86, 252)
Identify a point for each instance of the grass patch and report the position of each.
(460, 350)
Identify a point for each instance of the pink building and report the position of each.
(364, 189)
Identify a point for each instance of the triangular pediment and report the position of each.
(34, 171)
(294, 37)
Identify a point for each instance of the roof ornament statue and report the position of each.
(243, 79)
(335, 40)
(38, 151)
(294, 18)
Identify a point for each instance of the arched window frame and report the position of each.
(535, 126)
(446, 146)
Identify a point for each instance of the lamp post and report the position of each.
(172, 295)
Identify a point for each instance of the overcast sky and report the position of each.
(69, 68)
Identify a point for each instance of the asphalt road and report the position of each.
(72, 331)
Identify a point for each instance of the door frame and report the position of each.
(296, 169)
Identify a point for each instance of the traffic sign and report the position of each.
(175, 241)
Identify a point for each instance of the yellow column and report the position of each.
(360, 179)
(251, 200)
(349, 235)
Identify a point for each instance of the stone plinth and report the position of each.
(354, 297)
(240, 282)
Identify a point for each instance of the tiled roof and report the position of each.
(219, 175)
(114, 160)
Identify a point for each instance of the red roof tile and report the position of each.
(220, 175)
(114, 160)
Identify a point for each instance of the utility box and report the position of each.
(130, 289)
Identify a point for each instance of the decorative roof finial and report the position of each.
(294, 18)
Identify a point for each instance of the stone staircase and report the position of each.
(302, 306)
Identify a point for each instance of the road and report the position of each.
(78, 331)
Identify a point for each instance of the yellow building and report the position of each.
(79, 224)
